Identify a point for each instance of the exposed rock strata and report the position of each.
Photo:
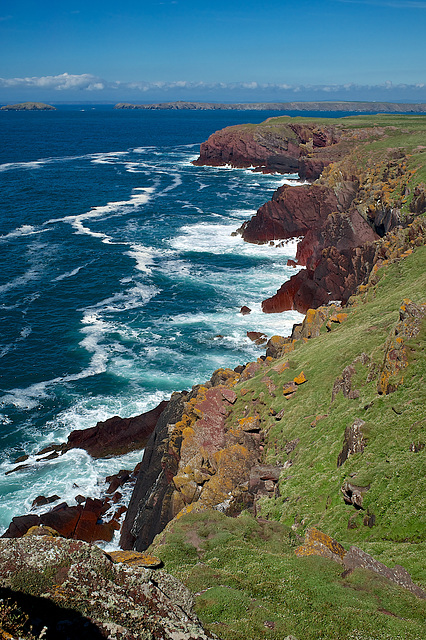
(340, 217)
(191, 460)
(116, 435)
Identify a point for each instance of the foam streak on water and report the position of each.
(121, 282)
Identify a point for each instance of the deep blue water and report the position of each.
(120, 281)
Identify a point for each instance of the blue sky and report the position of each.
(213, 50)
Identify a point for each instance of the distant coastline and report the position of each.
(28, 106)
(373, 107)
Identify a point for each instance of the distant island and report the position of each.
(373, 107)
(28, 106)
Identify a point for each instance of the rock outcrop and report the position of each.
(116, 435)
(70, 590)
(191, 461)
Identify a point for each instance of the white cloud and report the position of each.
(86, 82)
(62, 82)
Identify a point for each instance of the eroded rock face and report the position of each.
(88, 597)
(196, 463)
(320, 544)
(292, 212)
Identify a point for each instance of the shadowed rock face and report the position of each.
(148, 510)
(292, 212)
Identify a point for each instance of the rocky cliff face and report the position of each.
(352, 202)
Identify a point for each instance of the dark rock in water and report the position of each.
(40, 501)
(21, 459)
(20, 467)
(118, 480)
(82, 522)
(257, 337)
(20, 525)
(116, 435)
(245, 310)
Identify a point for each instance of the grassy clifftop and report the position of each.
(362, 366)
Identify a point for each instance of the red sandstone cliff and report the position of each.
(339, 217)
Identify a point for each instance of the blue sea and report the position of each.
(120, 279)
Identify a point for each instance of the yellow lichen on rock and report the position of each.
(318, 543)
(300, 379)
(134, 558)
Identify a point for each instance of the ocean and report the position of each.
(120, 279)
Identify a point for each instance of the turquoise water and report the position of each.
(120, 280)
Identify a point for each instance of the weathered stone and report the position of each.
(353, 442)
(289, 388)
(40, 501)
(116, 435)
(257, 337)
(356, 558)
(320, 544)
(245, 310)
(229, 395)
(353, 494)
(134, 558)
(88, 597)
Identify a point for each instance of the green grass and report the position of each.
(249, 584)
(248, 581)
(310, 489)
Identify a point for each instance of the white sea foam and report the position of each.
(139, 197)
(217, 239)
(24, 230)
(68, 274)
(108, 158)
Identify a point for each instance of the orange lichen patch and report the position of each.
(289, 388)
(249, 424)
(244, 391)
(233, 467)
(287, 348)
(134, 558)
(318, 543)
(42, 530)
(339, 317)
(300, 379)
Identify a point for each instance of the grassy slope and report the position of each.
(248, 567)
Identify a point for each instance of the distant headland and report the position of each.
(373, 107)
(28, 106)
